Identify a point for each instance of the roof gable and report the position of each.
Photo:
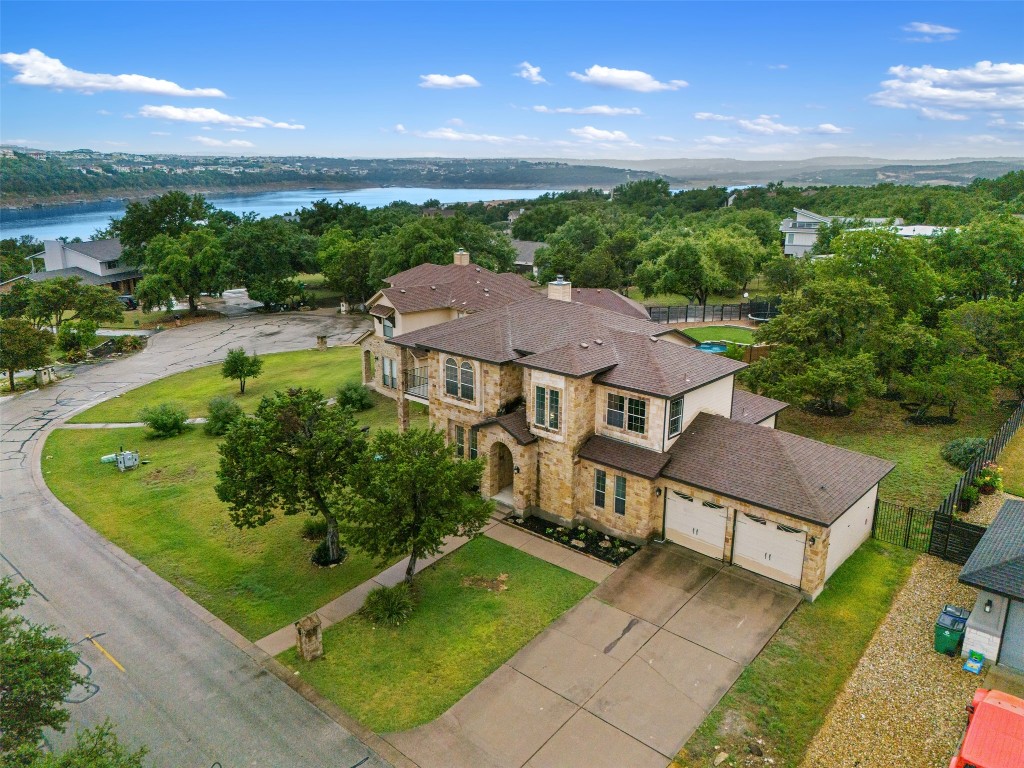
(997, 563)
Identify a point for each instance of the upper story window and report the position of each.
(547, 407)
(389, 327)
(451, 377)
(675, 416)
(466, 381)
(627, 412)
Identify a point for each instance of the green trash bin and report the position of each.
(949, 634)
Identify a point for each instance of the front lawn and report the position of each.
(476, 607)
(136, 318)
(731, 333)
(324, 370)
(783, 696)
(922, 478)
(167, 515)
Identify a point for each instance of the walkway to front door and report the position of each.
(622, 679)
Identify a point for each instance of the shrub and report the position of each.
(321, 557)
(990, 478)
(389, 606)
(166, 419)
(314, 528)
(962, 452)
(969, 497)
(76, 337)
(734, 352)
(223, 413)
(124, 344)
(355, 396)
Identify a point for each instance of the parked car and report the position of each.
(995, 732)
(129, 301)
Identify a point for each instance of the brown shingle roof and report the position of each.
(515, 424)
(624, 456)
(467, 288)
(752, 409)
(772, 469)
(549, 335)
(382, 310)
(609, 299)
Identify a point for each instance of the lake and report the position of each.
(83, 219)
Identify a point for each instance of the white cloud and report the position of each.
(717, 140)
(941, 114)
(103, 112)
(450, 134)
(36, 68)
(399, 128)
(712, 116)
(530, 73)
(209, 141)
(982, 86)
(456, 121)
(829, 128)
(590, 133)
(998, 121)
(448, 81)
(667, 139)
(213, 116)
(765, 125)
(930, 33)
(159, 133)
(627, 79)
(597, 109)
(234, 130)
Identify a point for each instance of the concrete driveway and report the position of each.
(622, 679)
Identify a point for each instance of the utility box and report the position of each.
(309, 637)
(127, 460)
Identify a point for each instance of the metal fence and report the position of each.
(706, 313)
(939, 533)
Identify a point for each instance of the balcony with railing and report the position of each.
(417, 383)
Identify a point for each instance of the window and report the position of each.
(675, 417)
(616, 416)
(460, 441)
(789, 239)
(472, 444)
(636, 415)
(451, 378)
(546, 404)
(712, 505)
(620, 495)
(389, 328)
(467, 381)
(389, 372)
(600, 482)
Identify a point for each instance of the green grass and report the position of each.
(1012, 462)
(783, 696)
(922, 478)
(393, 679)
(167, 515)
(136, 318)
(323, 370)
(733, 333)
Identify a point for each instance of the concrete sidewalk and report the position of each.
(344, 606)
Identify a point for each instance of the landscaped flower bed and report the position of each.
(580, 538)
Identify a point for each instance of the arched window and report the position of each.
(451, 377)
(467, 381)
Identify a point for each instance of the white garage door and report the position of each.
(773, 550)
(695, 524)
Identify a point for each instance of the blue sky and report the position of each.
(765, 80)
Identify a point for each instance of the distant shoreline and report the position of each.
(130, 195)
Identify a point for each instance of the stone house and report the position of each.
(588, 414)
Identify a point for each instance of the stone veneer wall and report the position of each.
(653, 437)
(641, 521)
(379, 349)
(524, 484)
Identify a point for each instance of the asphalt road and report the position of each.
(186, 692)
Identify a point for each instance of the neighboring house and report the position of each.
(526, 253)
(513, 215)
(589, 414)
(996, 568)
(96, 262)
(801, 233)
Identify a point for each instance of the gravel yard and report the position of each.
(987, 508)
(904, 703)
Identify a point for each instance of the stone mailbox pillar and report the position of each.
(321, 343)
(310, 639)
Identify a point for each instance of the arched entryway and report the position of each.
(501, 466)
(367, 366)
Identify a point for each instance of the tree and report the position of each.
(596, 270)
(835, 378)
(16, 256)
(993, 328)
(183, 267)
(682, 264)
(786, 274)
(985, 258)
(75, 337)
(49, 303)
(345, 262)
(96, 747)
(955, 381)
(296, 454)
(409, 493)
(38, 674)
(568, 245)
(239, 366)
(172, 214)
(737, 251)
(22, 346)
(264, 254)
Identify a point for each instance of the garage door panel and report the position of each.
(769, 549)
(693, 525)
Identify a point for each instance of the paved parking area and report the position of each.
(622, 679)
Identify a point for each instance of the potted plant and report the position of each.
(968, 498)
(989, 479)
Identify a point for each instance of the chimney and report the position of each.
(462, 257)
(560, 289)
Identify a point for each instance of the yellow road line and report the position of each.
(103, 650)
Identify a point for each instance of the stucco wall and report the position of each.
(413, 321)
(851, 530)
(715, 397)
